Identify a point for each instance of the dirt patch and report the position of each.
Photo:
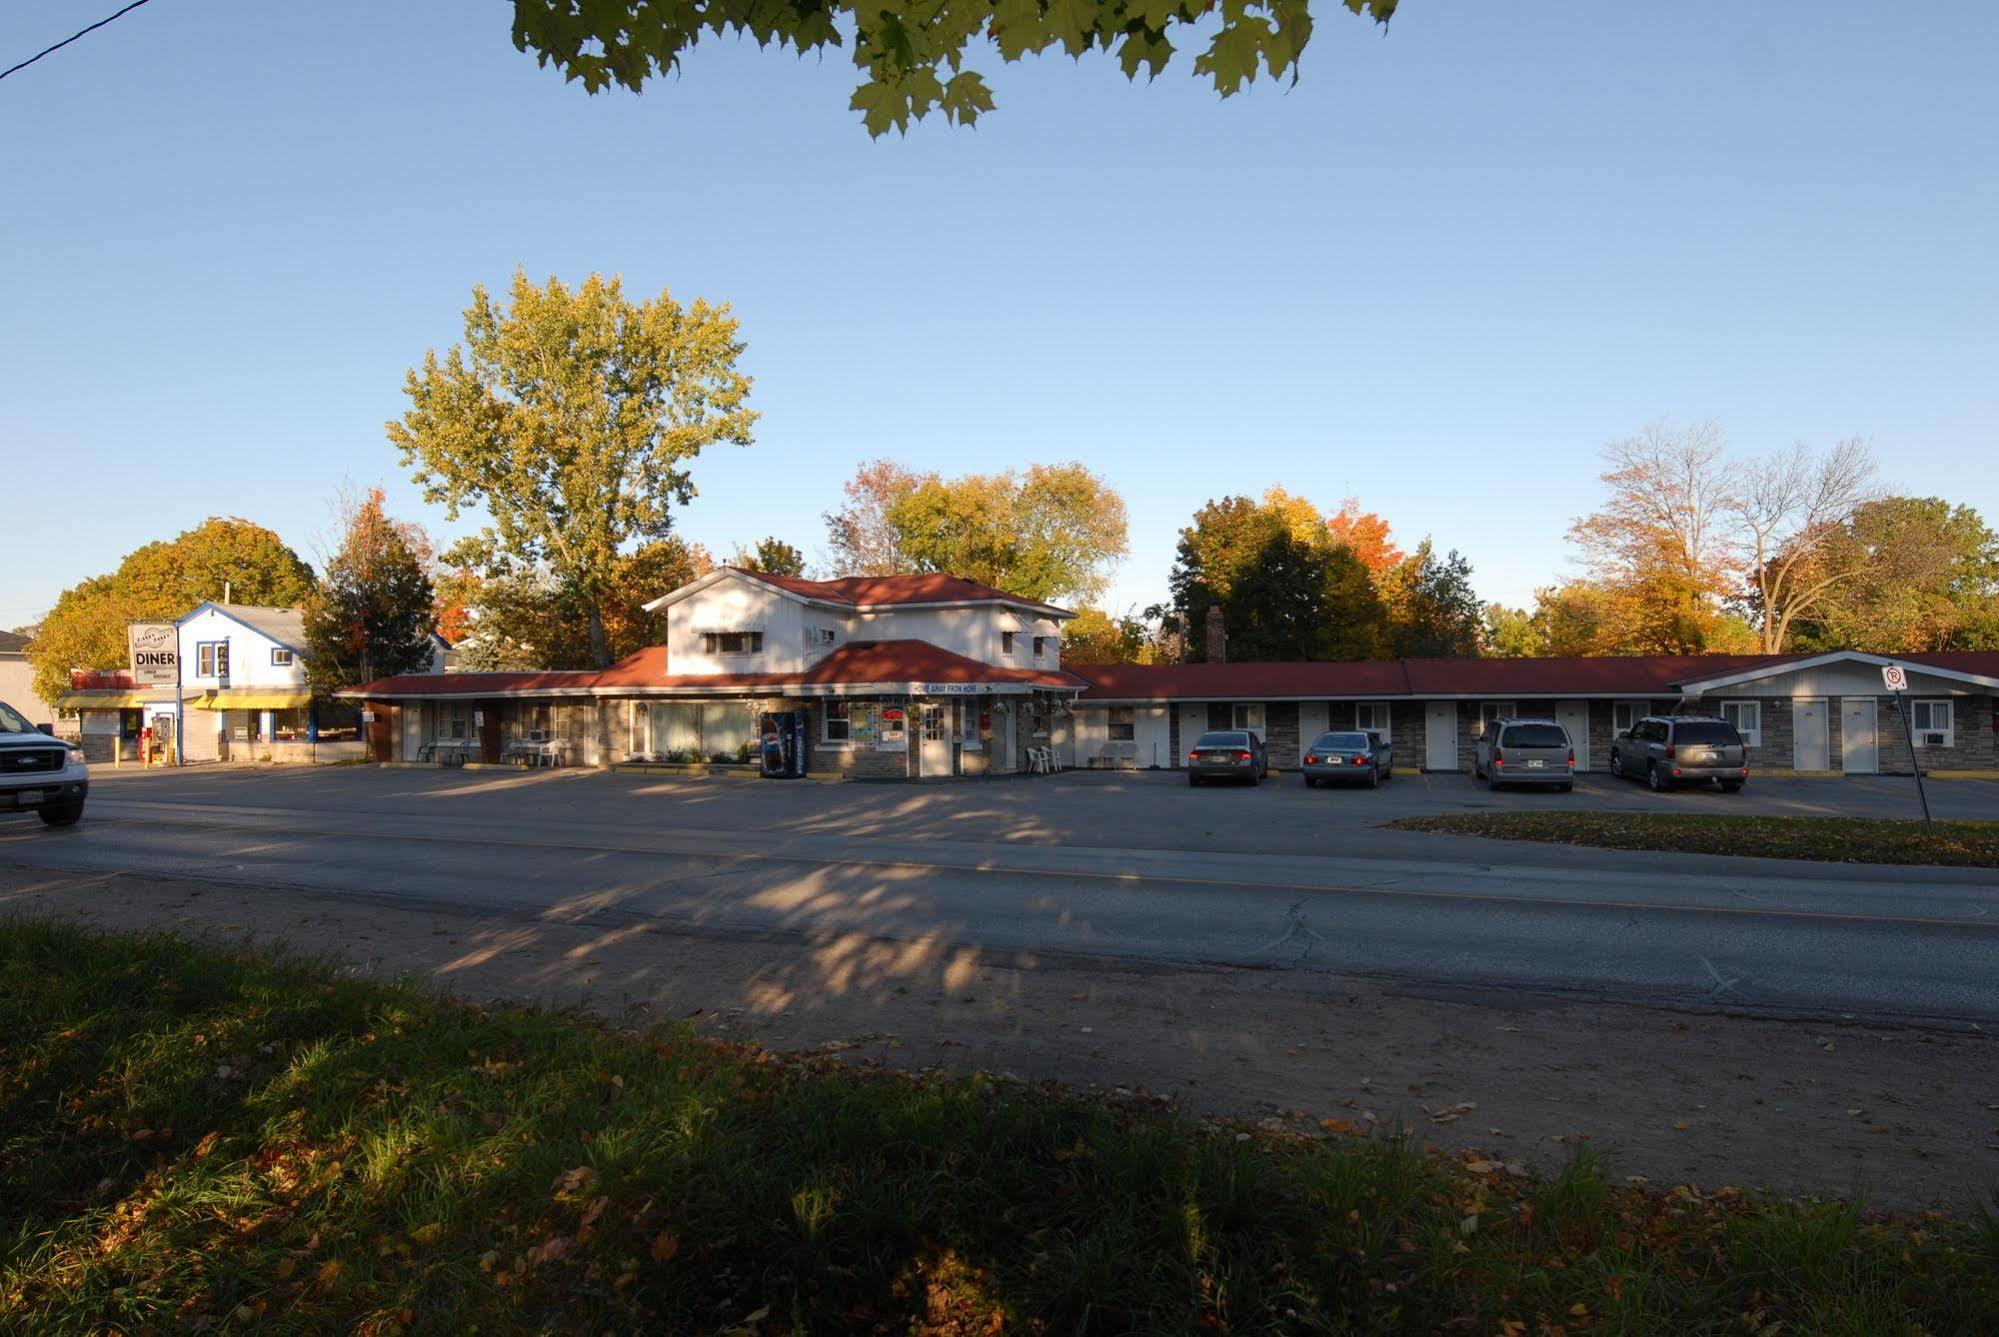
(1911, 1115)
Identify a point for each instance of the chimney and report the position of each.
(1218, 636)
(225, 591)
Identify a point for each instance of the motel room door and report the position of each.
(936, 740)
(1810, 750)
(1440, 736)
(1193, 723)
(1574, 716)
(1859, 753)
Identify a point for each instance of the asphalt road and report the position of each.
(1125, 866)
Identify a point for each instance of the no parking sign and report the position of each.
(1896, 677)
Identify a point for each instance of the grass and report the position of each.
(1824, 839)
(195, 1140)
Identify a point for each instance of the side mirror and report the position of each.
(46, 728)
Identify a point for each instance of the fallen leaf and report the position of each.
(664, 1246)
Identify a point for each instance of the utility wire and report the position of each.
(71, 38)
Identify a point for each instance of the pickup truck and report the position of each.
(39, 773)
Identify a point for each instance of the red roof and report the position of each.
(930, 587)
(1621, 675)
(856, 664)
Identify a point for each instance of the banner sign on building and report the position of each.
(948, 689)
(892, 731)
(155, 650)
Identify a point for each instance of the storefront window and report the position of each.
(839, 723)
(968, 724)
(289, 726)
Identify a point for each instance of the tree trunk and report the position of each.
(600, 649)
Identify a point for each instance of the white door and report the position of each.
(936, 732)
(1193, 723)
(1858, 752)
(1155, 744)
(1809, 749)
(1311, 722)
(1574, 716)
(1062, 732)
(1440, 736)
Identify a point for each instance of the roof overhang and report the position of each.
(1702, 686)
(667, 692)
(724, 573)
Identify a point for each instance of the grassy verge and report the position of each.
(1825, 839)
(198, 1141)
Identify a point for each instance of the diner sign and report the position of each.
(155, 652)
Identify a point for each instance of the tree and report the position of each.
(525, 617)
(1926, 577)
(862, 540)
(1791, 508)
(1053, 532)
(570, 418)
(1281, 596)
(1095, 637)
(1433, 612)
(1660, 544)
(1510, 633)
(372, 613)
(773, 556)
(912, 58)
(221, 556)
(1367, 534)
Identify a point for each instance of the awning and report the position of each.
(106, 698)
(250, 698)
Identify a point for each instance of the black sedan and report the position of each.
(1348, 757)
(1226, 754)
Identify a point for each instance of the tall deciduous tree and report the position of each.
(1792, 509)
(525, 617)
(1282, 595)
(913, 58)
(1052, 532)
(772, 555)
(1926, 577)
(221, 556)
(1433, 612)
(1510, 633)
(1660, 544)
(372, 613)
(570, 418)
(1095, 637)
(1367, 534)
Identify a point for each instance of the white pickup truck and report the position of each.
(40, 773)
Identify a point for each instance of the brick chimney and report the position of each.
(1218, 636)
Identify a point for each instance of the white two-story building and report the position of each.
(898, 676)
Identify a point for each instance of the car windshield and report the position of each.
(1534, 735)
(1223, 740)
(1342, 742)
(13, 721)
(1715, 733)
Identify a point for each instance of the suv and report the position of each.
(38, 772)
(1525, 752)
(1672, 750)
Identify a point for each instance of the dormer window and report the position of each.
(1006, 642)
(732, 642)
(1039, 642)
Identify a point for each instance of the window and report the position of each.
(211, 659)
(1006, 642)
(1372, 716)
(968, 724)
(1488, 711)
(641, 731)
(1747, 717)
(732, 642)
(280, 658)
(1624, 714)
(933, 724)
(453, 720)
(818, 636)
(1039, 643)
(1931, 721)
(1123, 724)
(289, 725)
(1248, 716)
(837, 725)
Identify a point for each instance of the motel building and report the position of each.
(925, 676)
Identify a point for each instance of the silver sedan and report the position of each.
(1349, 757)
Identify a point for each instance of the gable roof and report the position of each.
(12, 643)
(928, 588)
(285, 626)
(888, 665)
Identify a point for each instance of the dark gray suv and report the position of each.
(1666, 751)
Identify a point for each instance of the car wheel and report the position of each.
(1653, 779)
(1616, 764)
(1193, 781)
(61, 814)
(1374, 777)
(1311, 783)
(1731, 786)
(1564, 789)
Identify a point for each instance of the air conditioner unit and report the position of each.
(1931, 739)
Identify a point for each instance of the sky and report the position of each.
(1438, 274)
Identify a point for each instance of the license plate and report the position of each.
(1535, 765)
(27, 798)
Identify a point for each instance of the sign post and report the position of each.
(1896, 678)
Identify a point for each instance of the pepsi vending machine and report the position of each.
(781, 746)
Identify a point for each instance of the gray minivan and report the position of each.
(1526, 752)
(1666, 751)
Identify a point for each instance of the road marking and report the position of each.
(1721, 986)
(1168, 879)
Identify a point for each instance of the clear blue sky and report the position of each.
(1438, 274)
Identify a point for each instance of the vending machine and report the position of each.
(781, 744)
